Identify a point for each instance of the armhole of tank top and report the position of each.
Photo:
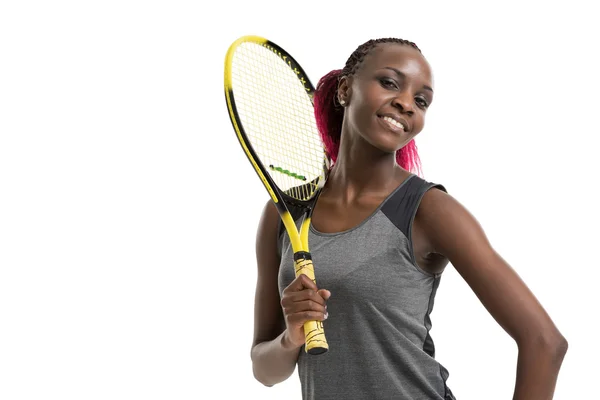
(428, 186)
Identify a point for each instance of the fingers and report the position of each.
(303, 289)
(306, 294)
(300, 283)
(306, 301)
(291, 307)
(324, 293)
(301, 317)
(302, 301)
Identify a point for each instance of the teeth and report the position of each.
(393, 122)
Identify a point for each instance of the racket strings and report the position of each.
(278, 119)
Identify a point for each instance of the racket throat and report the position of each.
(302, 255)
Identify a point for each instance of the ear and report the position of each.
(344, 90)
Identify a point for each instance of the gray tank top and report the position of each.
(379, 310)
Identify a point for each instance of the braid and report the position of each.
(329, 113)
(359, 54)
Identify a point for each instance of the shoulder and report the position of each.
(268, 227)
(434, 198)
(269, 211)
(438, 205)
(422, 185)
(271, 231)
(449, 226)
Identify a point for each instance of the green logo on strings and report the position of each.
(285, 171)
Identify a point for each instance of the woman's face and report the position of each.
(387, 97)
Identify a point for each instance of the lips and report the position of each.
(395, 122)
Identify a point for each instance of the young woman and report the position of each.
(380, 238)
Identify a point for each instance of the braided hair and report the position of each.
(329, 114)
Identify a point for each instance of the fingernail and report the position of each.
(326, 315)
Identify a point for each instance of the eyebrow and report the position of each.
(403, 75)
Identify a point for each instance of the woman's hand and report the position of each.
(302, 301)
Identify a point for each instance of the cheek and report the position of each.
(419, 123)
(361, 113)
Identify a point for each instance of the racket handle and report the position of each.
(316, 343)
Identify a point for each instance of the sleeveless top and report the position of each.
(379, 309)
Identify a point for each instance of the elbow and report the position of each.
(261, 379)
(256, 371)
(551, 342)
(557, 345)
(560, 347)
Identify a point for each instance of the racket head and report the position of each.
(270, 101)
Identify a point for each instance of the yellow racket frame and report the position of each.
(315, 340)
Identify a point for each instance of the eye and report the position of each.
(388, 83)
(422, 102)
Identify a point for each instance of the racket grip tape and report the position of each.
(316, 343)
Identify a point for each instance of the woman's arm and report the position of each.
(273, 357)
(456, 234)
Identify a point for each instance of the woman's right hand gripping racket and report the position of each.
(269, 98)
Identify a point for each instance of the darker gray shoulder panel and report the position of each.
(402, 207)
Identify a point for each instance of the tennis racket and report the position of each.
(269, 98)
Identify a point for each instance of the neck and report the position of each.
(360, 171)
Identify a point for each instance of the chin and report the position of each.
(389, 144)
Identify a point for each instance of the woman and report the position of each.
(380, 238)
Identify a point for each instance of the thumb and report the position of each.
(324, 293)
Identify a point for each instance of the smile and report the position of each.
(392, 124)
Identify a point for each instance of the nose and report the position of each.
(404, 102)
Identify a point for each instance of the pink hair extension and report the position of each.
(408, 158)
(329, 113)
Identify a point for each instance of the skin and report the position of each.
(396, 80)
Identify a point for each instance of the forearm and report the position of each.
(274, 361)
(537, 369)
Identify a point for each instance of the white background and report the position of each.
(128, 210)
